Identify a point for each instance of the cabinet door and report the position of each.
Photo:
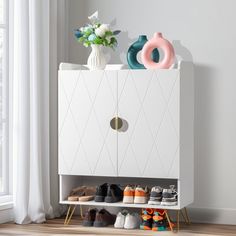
(87, 103)
(148, 102)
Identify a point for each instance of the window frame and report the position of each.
(6, 197)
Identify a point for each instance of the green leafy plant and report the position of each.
(96, 33)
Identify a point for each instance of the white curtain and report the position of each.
(29, 56)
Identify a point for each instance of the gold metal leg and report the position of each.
(72, 212)
(81, 212)
(177, 220)
(184, 217)
(186, 214)
(69, 214)
(168, 219)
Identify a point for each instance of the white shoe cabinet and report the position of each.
(155, 142)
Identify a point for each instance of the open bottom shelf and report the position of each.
(119, 204)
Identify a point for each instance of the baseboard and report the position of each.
(213, 215)
(6, 215)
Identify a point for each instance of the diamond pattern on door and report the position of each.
(86, 105)
(149, 148)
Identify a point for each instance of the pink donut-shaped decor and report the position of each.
(158, 42)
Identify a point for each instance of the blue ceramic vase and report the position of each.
(133, 51)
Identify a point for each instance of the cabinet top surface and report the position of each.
(118, 67)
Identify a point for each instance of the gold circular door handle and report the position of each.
(116, 123)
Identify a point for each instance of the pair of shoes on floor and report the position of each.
(164, 197)
(136, 195)
(154, 219)
(126, 220)
(98, 218)
(82, 194)
(109, 193)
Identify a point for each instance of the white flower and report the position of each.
(99, 32)
(102, 30)
(105, 27)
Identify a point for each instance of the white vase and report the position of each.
(96, 59)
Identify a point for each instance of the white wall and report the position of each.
(204, 31)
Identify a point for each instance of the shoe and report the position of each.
(101, 193)
(89, 217)
(128, 194)
(82, 193)
(147, 219)
(120, 219)
(155, 196)
(104, 218)
(159, 220)
(141, 195)
(132, 221)
(169, 196)
(88, 195)
(76, 193)
(114, 194)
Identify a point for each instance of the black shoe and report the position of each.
(114, 194)
(104, 218)
(89, 217)
(101, 192)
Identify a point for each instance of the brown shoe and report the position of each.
(76, 193)
(89, 194)
(104, 218)
(82, 193)
(89, 217)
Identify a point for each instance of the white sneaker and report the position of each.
(120, 219)
(132, 221)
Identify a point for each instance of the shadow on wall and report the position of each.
(182, 53)
(124, 41)
(118, 56)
